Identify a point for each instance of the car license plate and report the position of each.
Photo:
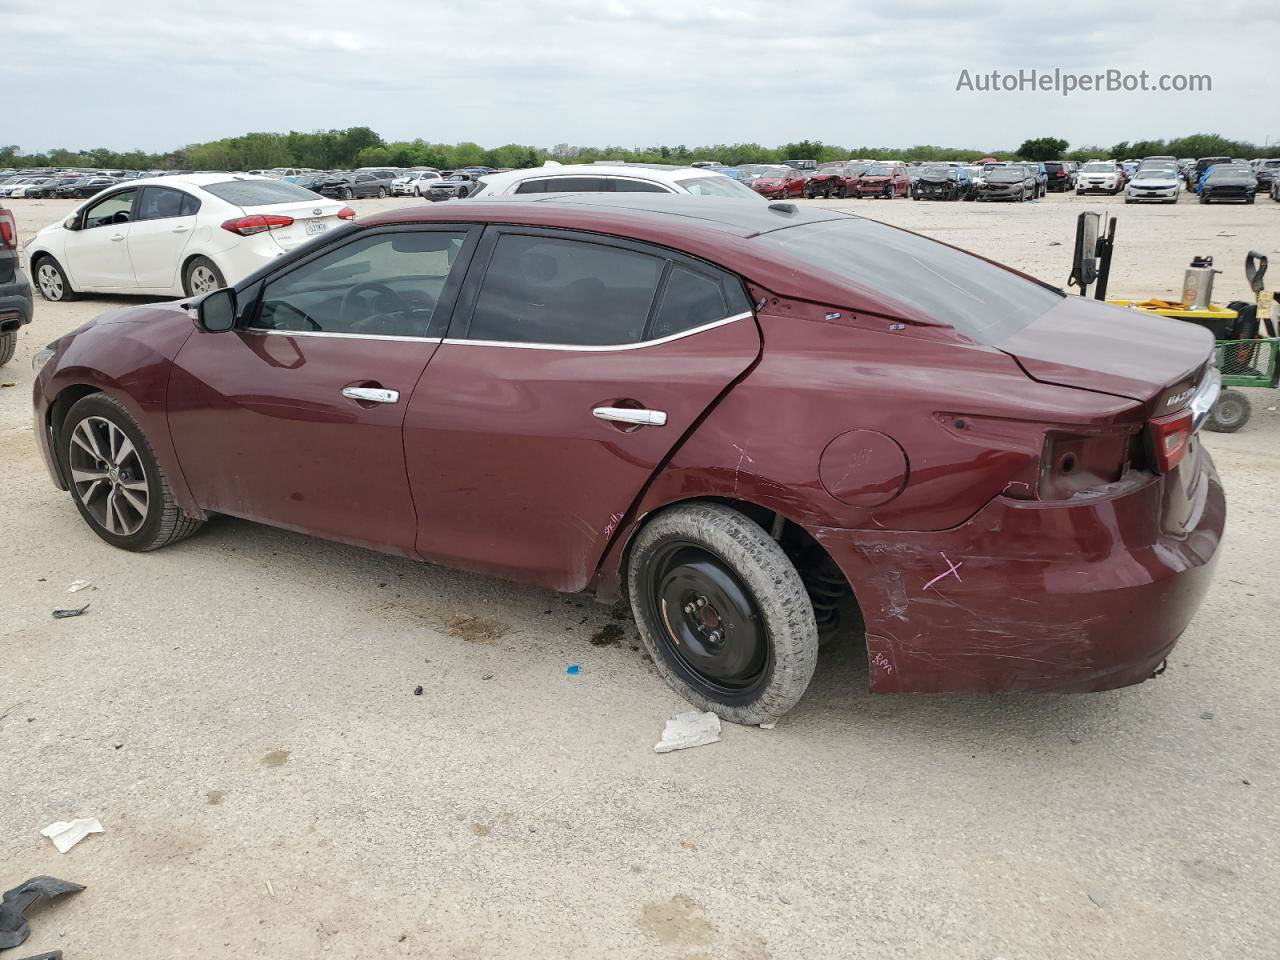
(316, 226)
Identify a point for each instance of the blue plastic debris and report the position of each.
(573, 670)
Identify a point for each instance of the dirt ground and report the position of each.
(239, 712)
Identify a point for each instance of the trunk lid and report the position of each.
(1126, 353)
(310, 219)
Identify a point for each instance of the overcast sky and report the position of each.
(156, 75)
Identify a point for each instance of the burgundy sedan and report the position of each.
(779, 183)
(763, 426)
(886, 180)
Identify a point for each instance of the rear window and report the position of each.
(718, 186)
(980, 300)
(257, 193)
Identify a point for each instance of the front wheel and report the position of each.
(116, 481)
(52, 282)
(381, 192)
(347, 194)
(723, 612)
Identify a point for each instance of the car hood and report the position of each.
(936, 178)
(1107, 349)
(1154, 183)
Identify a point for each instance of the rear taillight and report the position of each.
(1170, 437)
(1073, 463)
(346, 213)
(257, 223)
(8, 230)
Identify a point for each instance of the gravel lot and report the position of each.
(238, 710)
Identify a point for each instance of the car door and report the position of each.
(574, 364)
(164, 221)
(294, 418)
(97, 251)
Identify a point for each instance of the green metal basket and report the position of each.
(1249, 363)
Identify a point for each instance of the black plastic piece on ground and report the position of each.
(13, 923)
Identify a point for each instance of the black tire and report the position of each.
(1230, 413)
(164, 522)
(195, 274)
(717, 555)
(1204, 198)
(8, 344)
(1248, 199)
(347, 194)
(382, 192)
(51, 280)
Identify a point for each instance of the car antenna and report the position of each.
(784, 207)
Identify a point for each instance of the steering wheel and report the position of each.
(285, 305)
(377, 286)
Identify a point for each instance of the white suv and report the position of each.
(1102, 175)
(612, 178)
(414, 183)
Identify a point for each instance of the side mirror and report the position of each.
(72, 222)
(216, 313)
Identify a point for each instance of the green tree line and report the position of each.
(361, 146)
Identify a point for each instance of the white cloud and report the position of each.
(622, 71)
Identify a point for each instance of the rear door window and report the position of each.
(544, 290)
(621, 185)
(564, 185)
(162, 203)
(692, 299)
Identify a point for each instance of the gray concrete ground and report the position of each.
(238, 710)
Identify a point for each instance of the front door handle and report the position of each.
(117, 237)
(641, 417)
(181, 229)
(371, 394)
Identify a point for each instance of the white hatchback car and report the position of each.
(414, 183)
(181, 235)
(612, 178)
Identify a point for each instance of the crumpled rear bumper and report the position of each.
(1066, 597)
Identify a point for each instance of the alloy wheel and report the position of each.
(709, 623)
(203, 280)
(108, 477)
(50, 281)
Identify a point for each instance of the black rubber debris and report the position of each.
(13, 922)
(73, 612)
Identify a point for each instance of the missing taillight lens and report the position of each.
(257, 223)
(1170, 437)
(1074, 463)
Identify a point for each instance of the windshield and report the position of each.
(717, 186)
(983, 301)
(1005, 175)
(938, 170)
(1225, 171)
(1154, 175)
(1099, 168)
(879, 170)
(832, 169)
(257, 193)
(770, 172)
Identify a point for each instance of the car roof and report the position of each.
(194, 179)
(497, 181)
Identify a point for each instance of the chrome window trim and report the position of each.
(610, 348)
(263, 332)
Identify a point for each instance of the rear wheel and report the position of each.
(347, 194)
(202, 276)
(116, 481)
(1230, 413)
(723, 612)
(382, 192)
(8, 344)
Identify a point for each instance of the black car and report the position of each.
(1229, 181)
(1267, 172)
(349, 186)
(1061, 176)
(1203, 164)
(309, 181)
(84, 187)
(15, 290)
(460, 185)
(49, 189)
(940, 181)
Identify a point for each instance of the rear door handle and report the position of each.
(641, 417)
(371, 394)
(181, 229)
(117, 237)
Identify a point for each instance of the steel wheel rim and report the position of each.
(203, 280)
(1228, 411)
(710, 628)
(108, 476)
(50, 282)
